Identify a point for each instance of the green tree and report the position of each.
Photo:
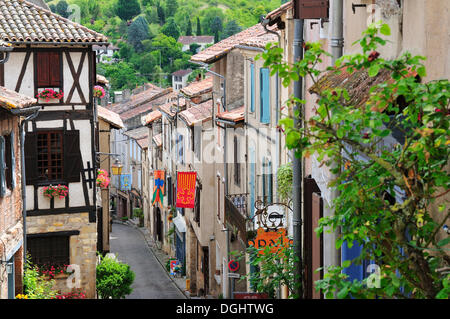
(193, 47)
(61, 8)
(121, 75)
(212, 18)
(138, 32)
(171, 29)
(230, 29)
(401, 236)
(189, 27)
(199, 27)
(127, 9)
(114, 278)
(171, 7)
(161, 14)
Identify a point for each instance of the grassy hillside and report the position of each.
(146, 31)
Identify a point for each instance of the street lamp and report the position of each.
(117, 167)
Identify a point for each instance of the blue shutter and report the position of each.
(13, 161)
(252, 87)
(350, 253)
(2, 167)
(265, 95)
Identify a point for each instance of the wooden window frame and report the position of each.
(51, 249)
(51, 174)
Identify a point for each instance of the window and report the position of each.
(197, 206)
(50, 155)
(48, 69)
(237, 166)
(45, 155)
(265, 96)
(267, 181)
(49, 250)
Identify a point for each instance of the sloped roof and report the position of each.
(189, 39)
(234, 115)
(157, 140)
(259, 41)
(197, 114)
(22, 21)
(167, 107)
(182, 72)
(151, 93)
(138, 133)
(358, 84)
(143, 142)
(280, 10)
(110, 117)
(216, 51)
(152, 116)
(12, 100)
(198, 87)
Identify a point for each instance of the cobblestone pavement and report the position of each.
(135, 247)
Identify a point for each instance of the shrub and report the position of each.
(36, 286)
(114, 278)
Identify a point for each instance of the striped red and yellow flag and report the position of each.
(186, 189)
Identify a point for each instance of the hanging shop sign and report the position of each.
(186, 189)
(125, 182)
(158, 190)
(272, 239)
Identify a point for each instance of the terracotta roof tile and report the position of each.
(143, 142)
(216, 51)
(234, 115)
(11, 99)
(21, 21)
(152, 116)
(138, 133)
(197, 114)
(260, 41)
(157, 140)
(110, 117)
(169, 106)
(198, 87)
(279, 11)
(182, 72)
(189, 39)
(358, 84)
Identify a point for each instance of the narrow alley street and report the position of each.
(151, 281)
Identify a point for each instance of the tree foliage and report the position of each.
(114, 278)
(171, 29)
(127, 9)
(387, 194)
(138, 31)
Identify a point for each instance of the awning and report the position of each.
(179, 223)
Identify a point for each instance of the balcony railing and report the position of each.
(240, 202)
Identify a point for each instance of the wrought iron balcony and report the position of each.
(240, 202)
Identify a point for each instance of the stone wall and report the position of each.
(83, 246)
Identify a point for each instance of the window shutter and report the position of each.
(55, 69)
(42, 69)
(252, 181)
(2, 167)
(13, 161)
(265, 95)
(72, 156)
(252, 87)
(48, 68)
(31, 169)
(311, 9)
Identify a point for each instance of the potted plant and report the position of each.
(60, 191)
(99, 91)
(103, 179)
(50, 95)
(137, 212)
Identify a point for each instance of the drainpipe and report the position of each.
(297, 162)
(337, 44)
(264, 23)
(35, 110)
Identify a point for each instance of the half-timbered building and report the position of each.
(53, 58)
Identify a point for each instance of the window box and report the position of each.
(49, 95)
